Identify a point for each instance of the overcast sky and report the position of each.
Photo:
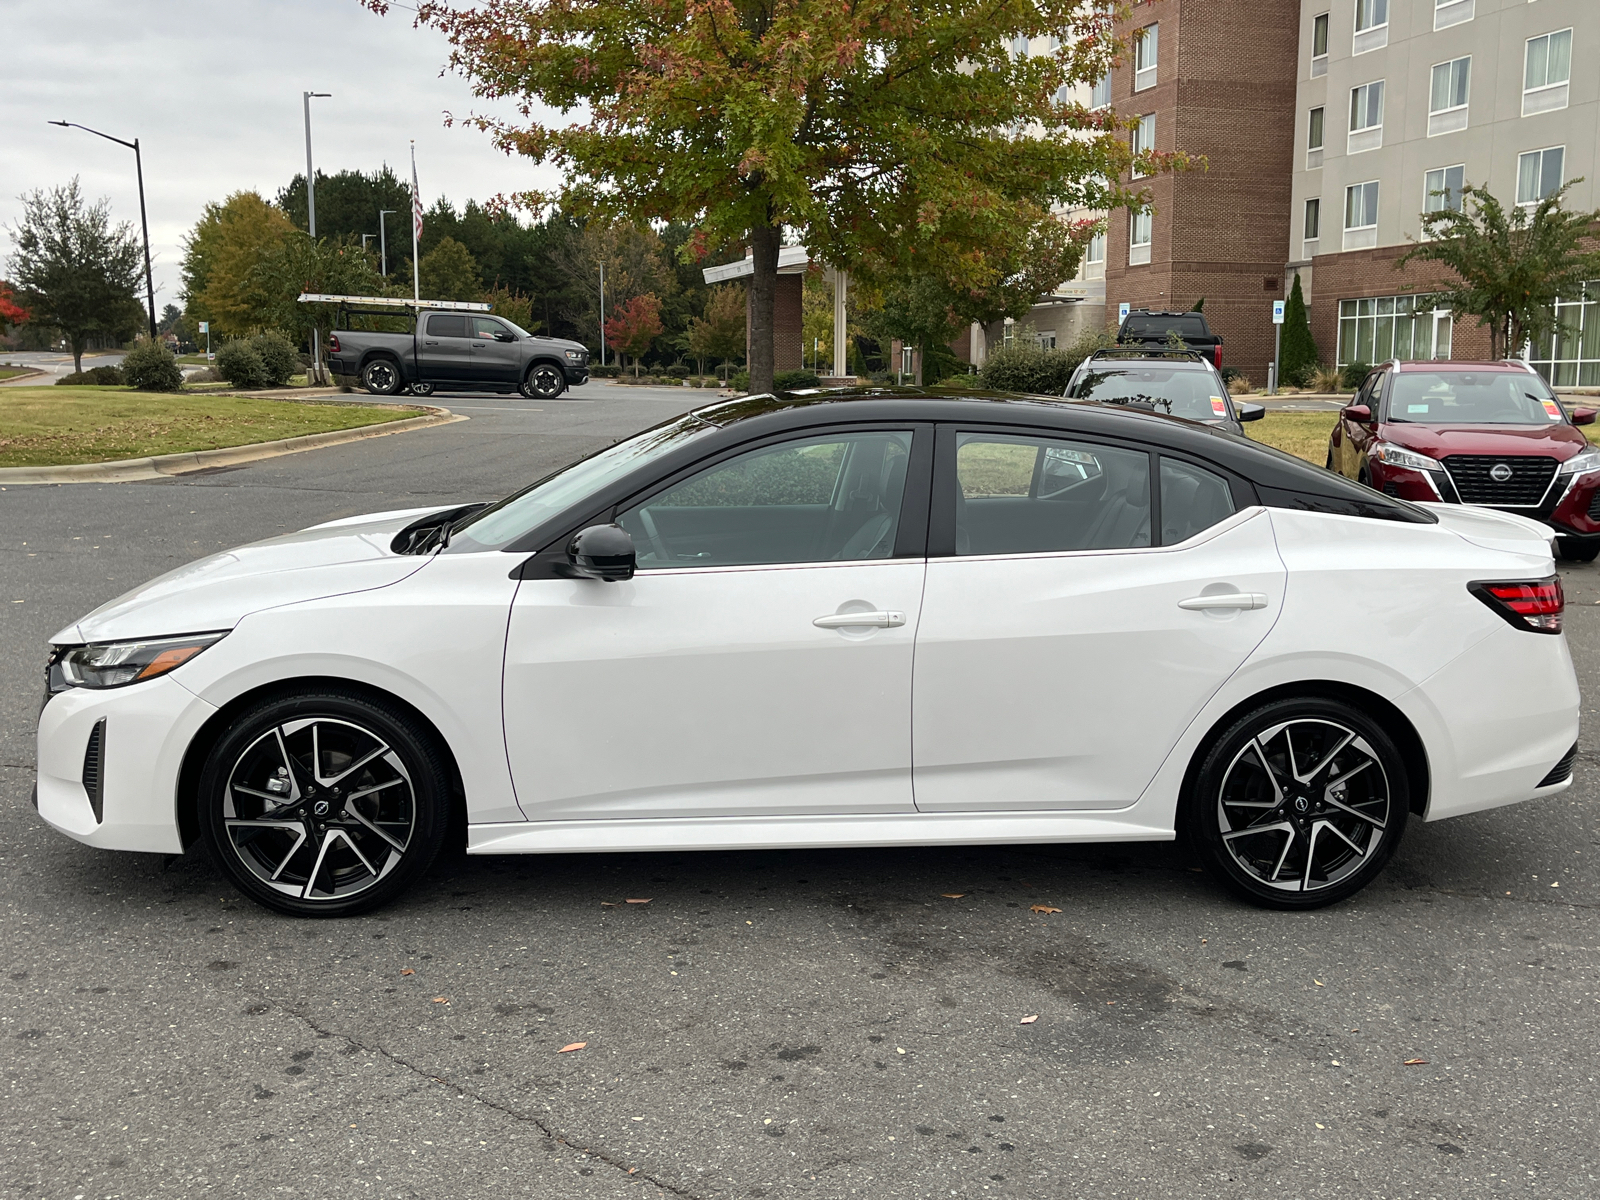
(212, 90)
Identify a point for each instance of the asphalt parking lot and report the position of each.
(816, 1023)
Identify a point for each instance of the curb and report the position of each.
(132, 470)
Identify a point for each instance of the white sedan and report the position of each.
(862, 618)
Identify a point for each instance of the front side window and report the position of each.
(822, 499)
(487, 327)
(1371, 13)
(1146, 44)
(1192, 501)
(1443, 189)
(1473, 398)
(1539, 173)
(1034, 495)
(1143, 140)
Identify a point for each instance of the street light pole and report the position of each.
(383, 241)
(311, 220)
(144, 221)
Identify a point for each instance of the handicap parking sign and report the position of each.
(1122, 311)
(1277, 312)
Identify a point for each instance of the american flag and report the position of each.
(416, 198)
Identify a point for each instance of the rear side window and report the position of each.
(1182, 324)
(447, 326)
(1192, 501)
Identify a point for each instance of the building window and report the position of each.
(1570, 357)
(1313, 226)
(1372, 26)
(1100, 94)
(1019, 46)
(1539, 173)
(1384, 327)
(1319, 45)
(1546, 70)
(1141, 226)
(1143, 139)
(1094, 257)
(1447, 100)
(1146, 43)
(1361, 216)
(1314, 135)
(1366, 117)
(1441, 189)
(1451, 12)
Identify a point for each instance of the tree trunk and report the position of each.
(77, 353)
(764, 242)
(916, 361)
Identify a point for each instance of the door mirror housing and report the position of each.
(1583, 416)
(505, 335)
(603, 552)
(1252, 412)
(1360, 414)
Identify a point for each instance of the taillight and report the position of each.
(333, 342)
(1218, 352)
(1535, 604)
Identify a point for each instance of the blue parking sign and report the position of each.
(1122, 311)
(1277, 312)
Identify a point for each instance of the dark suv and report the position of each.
(1179, 383)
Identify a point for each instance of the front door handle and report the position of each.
(1225, 600)
(889, 619)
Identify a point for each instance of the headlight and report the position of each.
(1391, 455)
(114, 664)
(1587, 459)
(576, 355)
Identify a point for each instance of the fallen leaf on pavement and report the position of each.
(607, 904)
(408, 971)
(639, 901)
(952, 895)
(1029, 1020)
(1042, 908)
(1319, 983)
(1415, 1062)
(574, 1046)
(440, 1000)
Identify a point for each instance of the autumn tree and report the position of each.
(222, 259)
(632, 259)
(636, 324)
(720, 332)
(11, 313)
(76, 271)
(893, 136)
(1510, 267)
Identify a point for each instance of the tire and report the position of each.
(1329, 464)
(1574, 551)
(381, 377)
(543, 382)
(1344, 796)
(287, 829)
(422, 389)
(1364, 477)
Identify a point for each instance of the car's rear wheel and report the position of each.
(324, 804)
(1299, 803)
(544, 382)
(422, 389)
(381, 377)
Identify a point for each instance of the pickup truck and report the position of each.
(1142, 327)
(457, 351)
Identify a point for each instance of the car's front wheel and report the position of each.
(544, 382)
(1299, 803)
(324, 803)
(1572, 550)
(381, 377)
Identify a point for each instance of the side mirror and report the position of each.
(1583, 416)
(505, 335)
(1358, 413)
(1252, 412)
(603, 552)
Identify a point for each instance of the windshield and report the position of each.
(514, 327)
(503, 523)
(1471, 398)
(1193, 393)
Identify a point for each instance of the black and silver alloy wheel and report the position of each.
(380, 377)
(544, 382)
(1300, 803)
(325, 805)
(422, 389)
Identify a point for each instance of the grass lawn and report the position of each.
(1306, 434)
(12, 372)
(51, 426)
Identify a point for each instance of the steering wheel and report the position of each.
(657, 545)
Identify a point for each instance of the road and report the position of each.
(798, 1024)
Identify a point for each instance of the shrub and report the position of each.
(1353, 376)
(1240, 386)
(240, 363)
(150, 367)
(1323, 378)
(605, 372)
(788, 381)
(1229, 374)
(1023, 367)
(678, 371)
(95, 377)
(279, 358)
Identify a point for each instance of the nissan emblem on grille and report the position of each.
(1500, 473)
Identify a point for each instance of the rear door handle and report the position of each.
(889, 619)
(1225, 600)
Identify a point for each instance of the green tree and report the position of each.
(74, 270)
(720, 332)
(888, 134)
(297, 265)
(1298, 355)
(448, 272)
(348, 204)
(228, 263)
(637, 323)
(1509, 267)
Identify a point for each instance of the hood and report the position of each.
(1494, 529)
(1558, 440)
(350, 555)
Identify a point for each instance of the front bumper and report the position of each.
(148, 727)
(576, 376)
(1571, 506)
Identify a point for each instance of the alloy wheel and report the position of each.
(319, 809)
(380, 378)
(544, 382)
(1305, 804)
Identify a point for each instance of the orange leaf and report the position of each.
(607, 904)
(638, 901)
(952, 895)
(440, 1000)
(1029, 1020)
(1042, 908)
(408, 971)
(1415, 1062)
(574, 1046)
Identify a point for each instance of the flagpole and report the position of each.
(416, 203)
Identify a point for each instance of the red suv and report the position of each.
(1485, 433)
